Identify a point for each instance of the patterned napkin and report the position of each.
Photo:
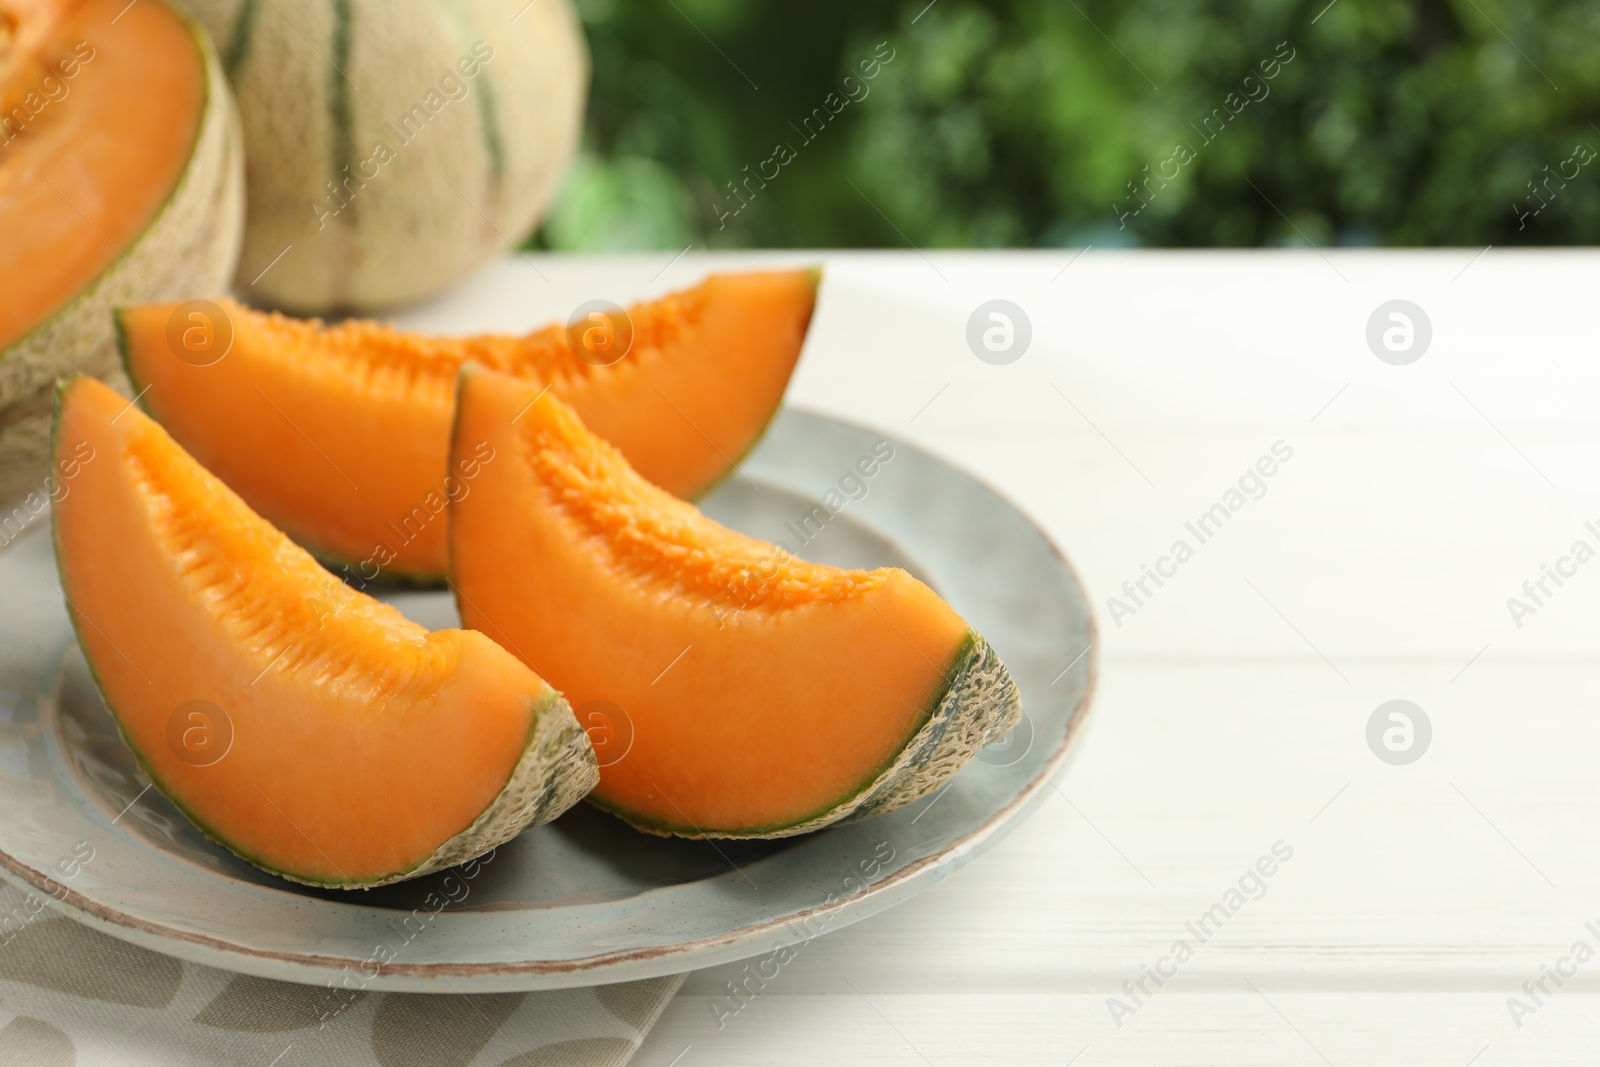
(74, 997)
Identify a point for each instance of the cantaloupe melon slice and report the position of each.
(309, 728)
(121, 178)
(340, 434)
(745, 693)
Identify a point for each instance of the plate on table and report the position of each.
(583, 900)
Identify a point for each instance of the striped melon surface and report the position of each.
(121, 180)
(392, 146)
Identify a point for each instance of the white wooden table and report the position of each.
(1233, 704)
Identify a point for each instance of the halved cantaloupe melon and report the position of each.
(749, 694)
(340, 434)
(121, 178)
(314, 731)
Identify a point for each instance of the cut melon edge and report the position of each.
(977, 705)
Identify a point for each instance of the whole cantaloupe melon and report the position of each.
(392, 146)
(121, 179)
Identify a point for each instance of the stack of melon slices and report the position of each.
(764, 696)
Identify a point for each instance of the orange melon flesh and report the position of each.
(360, 741)
(86, 161)
(754, 705)
(340, 434)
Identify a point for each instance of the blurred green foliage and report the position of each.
(1048, 122)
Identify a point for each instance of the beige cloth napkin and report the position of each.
(74, 997)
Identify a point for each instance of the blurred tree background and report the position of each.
(1070, 122)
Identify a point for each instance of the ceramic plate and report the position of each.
(584, 900)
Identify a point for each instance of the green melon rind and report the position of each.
(188, 248)
(238, 43)
(557, 767)
(977, 706)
